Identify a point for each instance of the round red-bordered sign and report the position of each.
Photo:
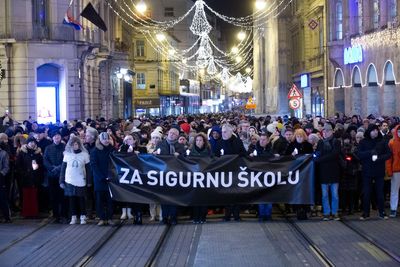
(294, 103)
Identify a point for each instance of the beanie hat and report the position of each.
(156, 132)
(185, 127)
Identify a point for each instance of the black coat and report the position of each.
(264, 152)
(368, 147)
(280, 146)
(29, 176)
(232, 146)
(328, 160)
(52, 160)
(165, 149)
(303, 148)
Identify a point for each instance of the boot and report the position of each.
(138, 219)
(73, 220)
(129, 212)
(123, 216)
(83, 219)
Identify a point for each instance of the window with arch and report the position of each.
(339, 20)
(375, 14)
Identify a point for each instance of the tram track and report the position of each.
(323, 257)
(42, 224)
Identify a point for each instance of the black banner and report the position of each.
(225, 180)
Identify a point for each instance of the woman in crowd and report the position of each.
(73, 178)
(131, 145)
(200, 148)
(30, 169)
(99, 160)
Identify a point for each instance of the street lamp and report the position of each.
(241, 35)
(260, 4)
(141, 7)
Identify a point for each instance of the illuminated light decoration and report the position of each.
(260, 4)
(123, 71)
(353, 54)
(160, 37)
(171, 52)
(234, 50)
(120, 75)
(141, 7)
(211, 69)
(241, 36)
(184, 61)
(225, 75)
(304, 78)
(238, 59)
(202, 72)
(248, 70)
(387, 37)
(200, 25)
(248, 85)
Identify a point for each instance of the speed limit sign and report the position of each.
(295, 103)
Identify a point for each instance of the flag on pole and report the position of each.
(69, 20)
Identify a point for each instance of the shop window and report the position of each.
(140, 81)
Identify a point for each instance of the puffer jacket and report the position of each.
(393, 164)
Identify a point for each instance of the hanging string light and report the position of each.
(211, 69)
(200, 25)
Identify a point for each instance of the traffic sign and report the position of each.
(295, 103)
(294, 92)
(250, 104)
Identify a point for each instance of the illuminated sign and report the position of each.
(353, 54)
(304, 80)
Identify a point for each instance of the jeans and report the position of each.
(330, 208)
(75, 201)
(104, 205)
(265, 210)
(394, 194)
(169, 211)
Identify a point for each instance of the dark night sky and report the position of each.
(231, 8)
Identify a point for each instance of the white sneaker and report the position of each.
(123, 216)
(83, 219)
(152, 218)
(74, 220)
(129, 212)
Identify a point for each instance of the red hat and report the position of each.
(185, 127)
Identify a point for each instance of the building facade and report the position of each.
(54, 72)
(363, 57)
(290, 48)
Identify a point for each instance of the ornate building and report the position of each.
(289, 49)
(363, 57)
(53, 69)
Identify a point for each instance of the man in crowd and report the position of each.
(52, 160)
(170, 146)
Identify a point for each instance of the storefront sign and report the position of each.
(304, 78)
(147, 103)
(353, 54)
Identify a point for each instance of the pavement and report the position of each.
(281, 242)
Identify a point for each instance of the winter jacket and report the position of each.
(264, 152)
(302, 148)
(44, 143)
(196, 152)
(165, 149)
(232, 146)
(369, 147)
(328, 154)
(25, 157)
(4, 166)
(99, 160)
(393, 164)
(52, 160)
(280, 145)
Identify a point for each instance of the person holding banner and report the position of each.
(231, 145)
(131, 145)
(170, 146)
(200, 148)
(263, 149)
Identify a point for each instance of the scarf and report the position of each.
(171, 146)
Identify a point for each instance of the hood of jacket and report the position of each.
(24, 149)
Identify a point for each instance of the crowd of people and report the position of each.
(63, 167)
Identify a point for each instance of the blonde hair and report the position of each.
(299, 132)
(70, 145)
